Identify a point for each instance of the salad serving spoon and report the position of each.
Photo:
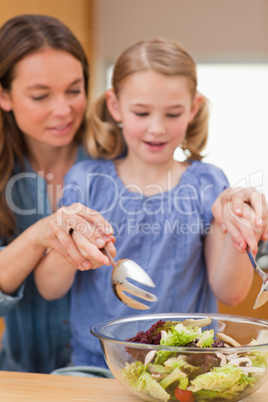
(123, 269)
(263, 295)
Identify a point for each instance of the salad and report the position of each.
(191, 376)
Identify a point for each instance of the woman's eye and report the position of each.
(75, 91)
(39, 98)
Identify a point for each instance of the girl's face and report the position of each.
(47, 97)
(155, 111)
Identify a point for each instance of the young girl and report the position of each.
(160, 209)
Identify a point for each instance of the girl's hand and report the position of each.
(243, 229)
(54, 233)
(238, 199)
(94, 256)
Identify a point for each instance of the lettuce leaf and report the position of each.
(147, 384)
(206, 339)
(225, 381)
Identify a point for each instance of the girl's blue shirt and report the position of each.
(37, 334)
(163, 233)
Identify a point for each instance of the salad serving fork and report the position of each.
(123, 269)
(263, 294)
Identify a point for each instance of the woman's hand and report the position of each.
(243, 229)
(54, 233)
(238, 199)
(94, 256)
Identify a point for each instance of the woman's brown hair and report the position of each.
(165, 57)
(19, 37)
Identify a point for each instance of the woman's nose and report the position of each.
(61, 107)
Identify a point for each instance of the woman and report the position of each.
(43, 98)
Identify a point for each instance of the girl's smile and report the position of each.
(155, 146)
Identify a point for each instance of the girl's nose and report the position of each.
(157, 128)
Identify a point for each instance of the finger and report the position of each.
(91, 230)
(90, 216)
(71, 252)
(265, 232)
(243, 229)
(236, 235)
(57, 237)
(250, 238)
(57, 246)
(90, 251)
(238, 248)
(111, 249)
(69, 247)
(217, 207)
(259, 226)
(259, 205)
(82, 226)
(237, 198)
(91, 233)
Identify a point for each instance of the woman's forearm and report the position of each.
(18, 260)
(22, 255)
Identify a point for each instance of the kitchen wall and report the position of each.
(212, 30)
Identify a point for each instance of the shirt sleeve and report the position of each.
(212, 183)
(75, 184)
(8, 301)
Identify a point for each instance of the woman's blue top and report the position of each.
(163, 233)
(37, 335)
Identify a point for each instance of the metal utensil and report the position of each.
(263, 295)
(123, 269)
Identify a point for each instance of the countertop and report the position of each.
(27, 387)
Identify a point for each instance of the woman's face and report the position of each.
(47, 97)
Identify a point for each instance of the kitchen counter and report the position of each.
(27, 387)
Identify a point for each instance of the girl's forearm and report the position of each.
(230, 272)
(233, 285)
(54, 276)
(18, 260)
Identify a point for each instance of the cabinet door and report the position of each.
(76, 14)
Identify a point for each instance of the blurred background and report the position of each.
(229, 42)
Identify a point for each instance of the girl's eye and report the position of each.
(173, 115)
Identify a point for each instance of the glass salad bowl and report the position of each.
(186, 357)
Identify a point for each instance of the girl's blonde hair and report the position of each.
(104, 137)
(19, 37)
